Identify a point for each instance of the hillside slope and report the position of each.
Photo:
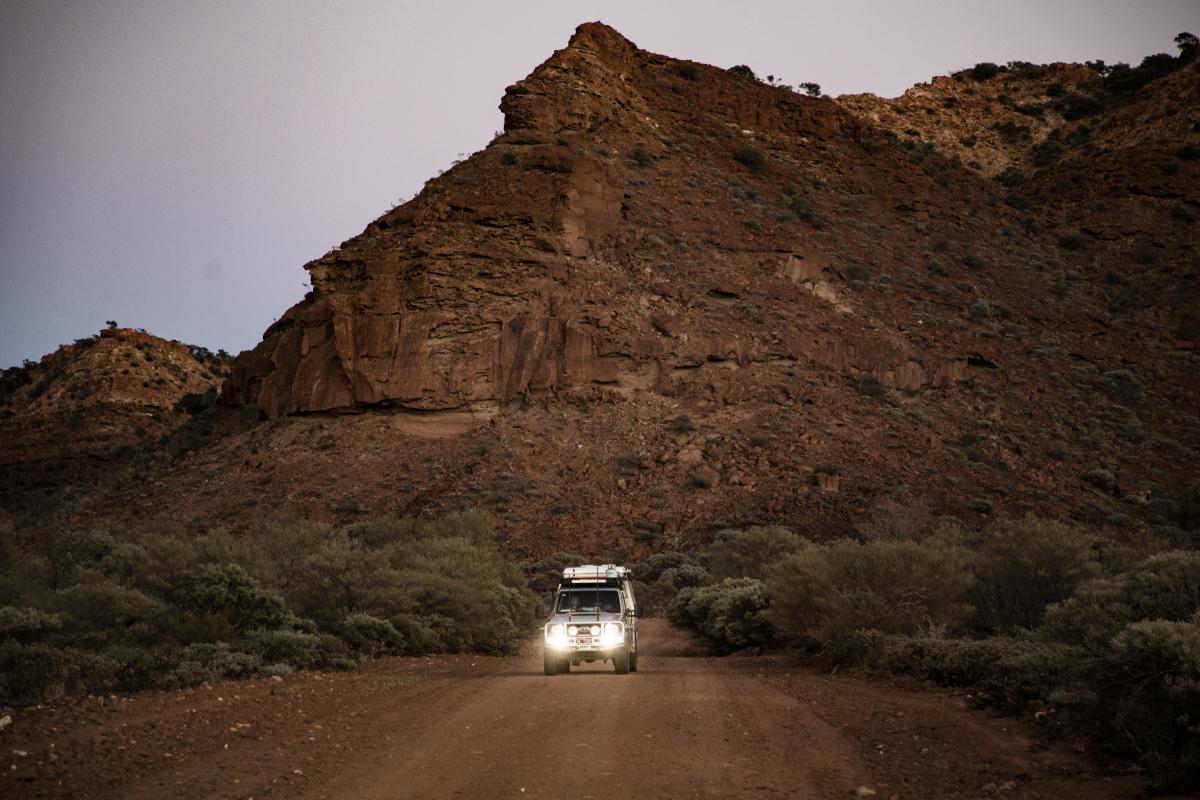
(89, 406)
(670, 297)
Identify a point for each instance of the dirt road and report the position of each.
(460, 726)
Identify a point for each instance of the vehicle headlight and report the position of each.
(572, 630)
(612, 627)
(556, 636)
(595, 630)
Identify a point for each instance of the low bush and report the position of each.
(1164, 587)
(1121, 656)
(545, 575)
(749, 157)
(1014, 671)
(1063, 618)
(662, 576)
(686, 70)
(729, 615)
(641, 156)
(162, 606)
(750, 553)
(825, 592)
(985, 70)
(1151, 697)
(1022, 567)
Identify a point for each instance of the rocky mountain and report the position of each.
(670, 297)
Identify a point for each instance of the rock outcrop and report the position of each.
(539, 268)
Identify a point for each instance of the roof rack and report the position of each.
(595, 575)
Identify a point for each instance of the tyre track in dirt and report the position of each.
(684, 726)
(680, 727)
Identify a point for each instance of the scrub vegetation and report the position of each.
(163, 606)
(1103, 636)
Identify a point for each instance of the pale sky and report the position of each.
(172, 165)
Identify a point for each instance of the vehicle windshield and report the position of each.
(589, 601)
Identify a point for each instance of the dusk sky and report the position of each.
(173, 165)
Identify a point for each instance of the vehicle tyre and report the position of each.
(564, 665)
(633, 660)
(550, 663)
(621, 661)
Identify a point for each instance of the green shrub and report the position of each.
(892, 522)
(296, 648)
(653, 598)
(26, 624)
(138, 667)
(657, 564)
(1013, 671)
(228, 590)
(871, 387)
(1074, 107)
(1123, 386)
(729, 615)
(1011, 177)
(43, 673)
(545, 575)
(1151, 700)
(641, 156)
(683, 576)
(369, 635)
(162, 605)
(79, 549)
(686, 70)
(750, 553)
(1022, 567)
(804, 212)
(662, 576)
(205, 663)
(857, 272)
(1165, 587)
(1101, 479)
(102, 612)
(1011, 132)
(681, 424)
(821, 593)
(749, 157)
(985, 70)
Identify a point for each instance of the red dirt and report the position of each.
(447, 726)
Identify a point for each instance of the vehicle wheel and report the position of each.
(633, 661)
(550, 664)
(621, 661)
(564, 665)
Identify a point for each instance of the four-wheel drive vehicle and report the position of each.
(594, 619)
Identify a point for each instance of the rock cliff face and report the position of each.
(586, 251)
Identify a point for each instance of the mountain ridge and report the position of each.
(670, 297)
